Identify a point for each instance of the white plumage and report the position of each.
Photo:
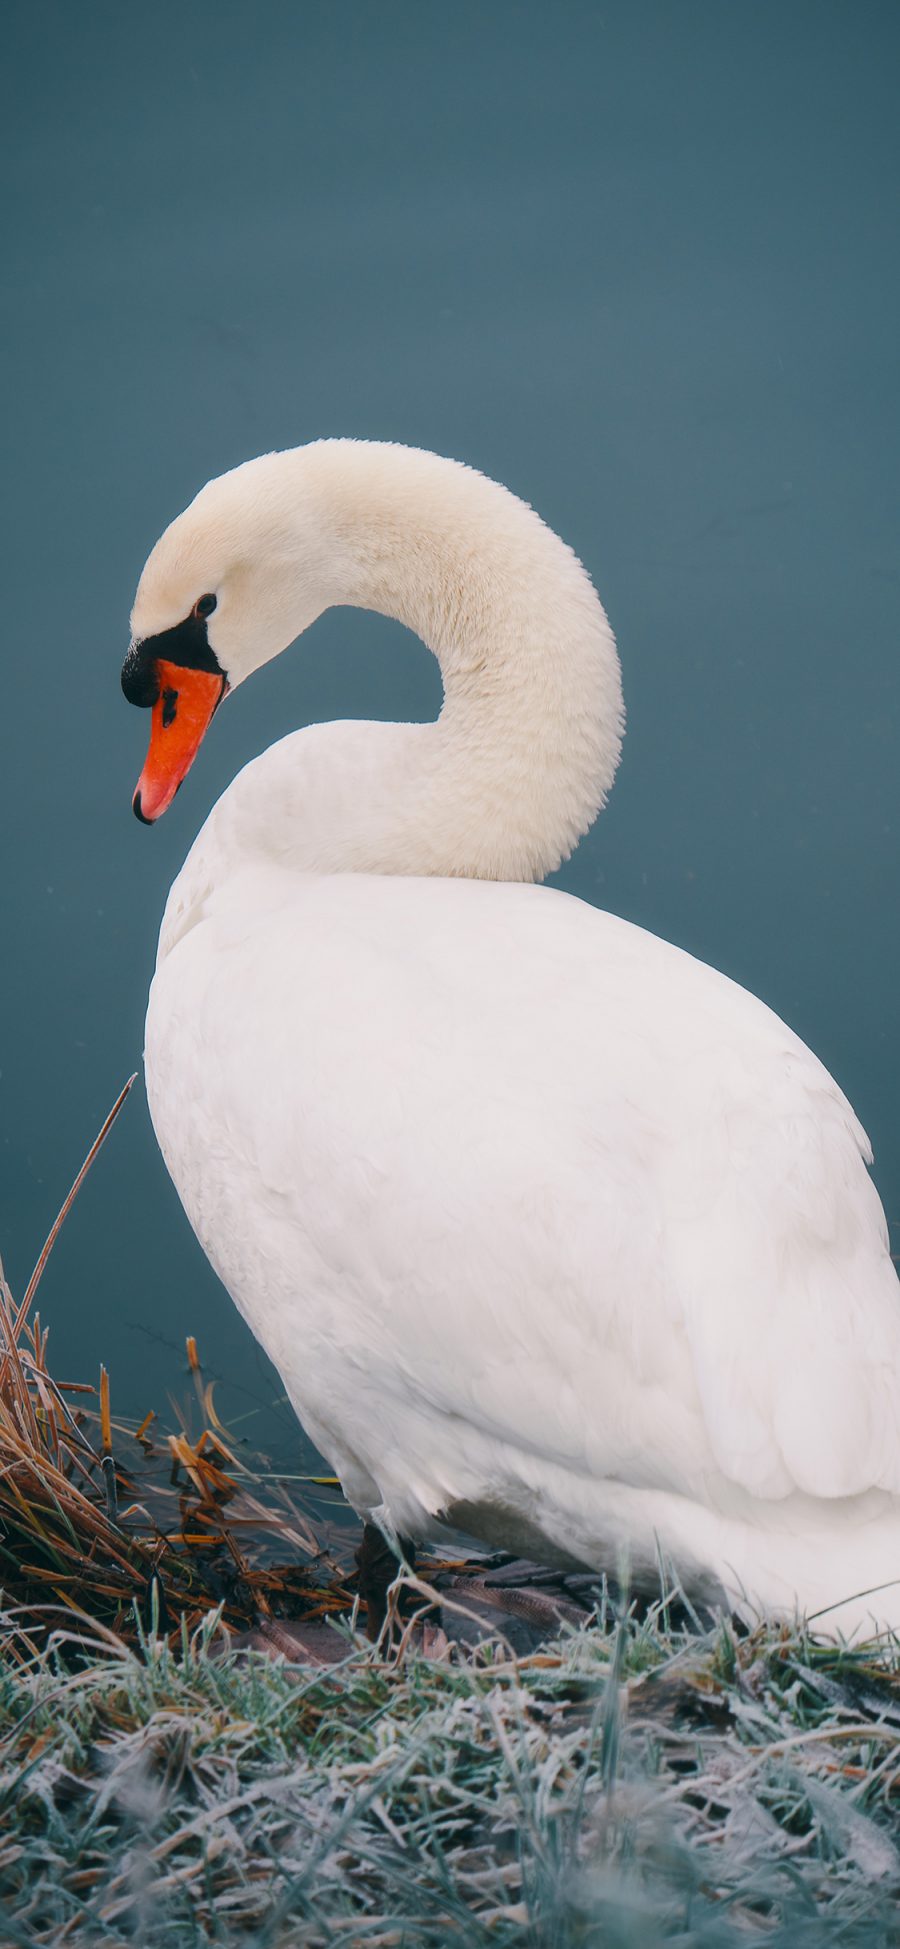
(549, 1228)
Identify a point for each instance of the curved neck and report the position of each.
(527, 743)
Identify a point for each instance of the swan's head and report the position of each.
(229, 585)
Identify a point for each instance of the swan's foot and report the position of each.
(377, 1564)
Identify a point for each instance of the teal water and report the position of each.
(636, 260)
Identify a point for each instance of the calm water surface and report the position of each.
(638, 261)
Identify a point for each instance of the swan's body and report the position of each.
(550, 1229)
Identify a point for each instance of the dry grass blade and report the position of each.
(66, 1207)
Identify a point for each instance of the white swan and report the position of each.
(549, 1228)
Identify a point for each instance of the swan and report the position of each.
(553, 1232)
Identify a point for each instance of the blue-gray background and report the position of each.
(638, 261)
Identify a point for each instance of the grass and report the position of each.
(629, 1785)
(639, 1780)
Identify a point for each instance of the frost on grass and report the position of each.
(629, 1785)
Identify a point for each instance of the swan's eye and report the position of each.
(205, 606)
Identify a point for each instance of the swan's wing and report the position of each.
(778, 1246)
(484, 1157)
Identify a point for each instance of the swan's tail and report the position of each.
(836, 1564)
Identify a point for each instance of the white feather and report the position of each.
(547, 1226)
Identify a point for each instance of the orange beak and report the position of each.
(187, 702)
